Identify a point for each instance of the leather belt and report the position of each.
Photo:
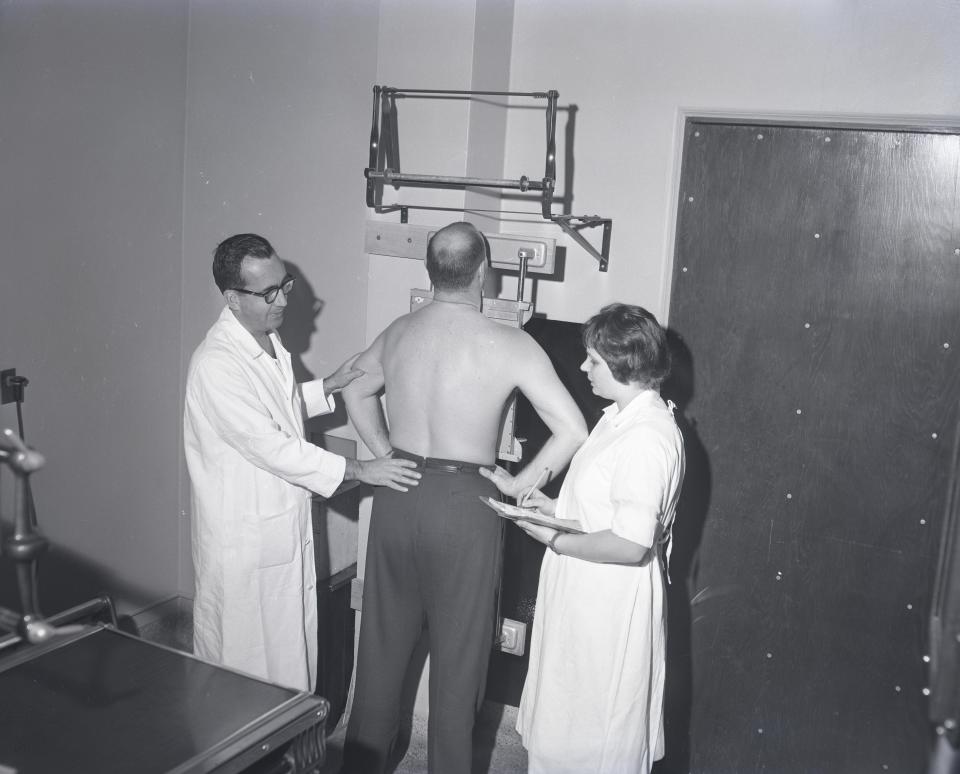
(438, 463)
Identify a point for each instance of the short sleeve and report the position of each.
(637, 489)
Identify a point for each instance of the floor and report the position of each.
(497, 748)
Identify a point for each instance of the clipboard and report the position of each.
(515, 513)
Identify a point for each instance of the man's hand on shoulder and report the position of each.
(340, 378)
(383, 471)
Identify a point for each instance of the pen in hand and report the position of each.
(541, 479)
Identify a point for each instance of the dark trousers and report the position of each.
(433, 557)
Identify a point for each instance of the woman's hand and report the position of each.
(506, 483)
(537, 499)
(538, 532)
(510, 486)
(548, 536)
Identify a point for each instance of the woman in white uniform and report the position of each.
(593, 698)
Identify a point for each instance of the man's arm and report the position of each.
(346, 373)
(362, 399)
(603, 547)
(317, 394)
(219, 394)
(539, 383)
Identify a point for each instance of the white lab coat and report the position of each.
(252, 471)
(593, 699)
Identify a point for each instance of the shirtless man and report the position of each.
(433, 552)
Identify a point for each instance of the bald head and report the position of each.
(453, 255)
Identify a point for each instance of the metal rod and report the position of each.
(523, 184)
(550, 164)
(411, 92)
(603, 255)
(522, 279)
(388, 208)
(9, 620)
(88, 609)
(374, 147)
(375, 128)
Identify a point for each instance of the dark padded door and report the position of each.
(816, 288)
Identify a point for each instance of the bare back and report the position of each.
(448, 372)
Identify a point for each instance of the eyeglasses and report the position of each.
(270, 294)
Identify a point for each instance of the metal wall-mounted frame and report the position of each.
(384, 165)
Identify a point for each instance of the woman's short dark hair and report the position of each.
(229, 255)
(631, 342)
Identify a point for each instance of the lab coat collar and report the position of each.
(242, 337)
(642, 401)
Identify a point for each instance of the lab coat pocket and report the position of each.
(279, 537)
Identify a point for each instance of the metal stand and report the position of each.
(945, 758)
(24, 547)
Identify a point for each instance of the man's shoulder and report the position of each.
(393, 333)
(517, 339)
(402, 322)
(508, 340)
(216, 354)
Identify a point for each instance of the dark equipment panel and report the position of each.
(815, 287)
(336, 637)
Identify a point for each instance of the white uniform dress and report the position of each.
(593, 698)
(255, 601)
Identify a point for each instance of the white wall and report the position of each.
(134, 135)
(634, 69)
(634, 66)
(436, 136)
(91, 158)
(278, 111)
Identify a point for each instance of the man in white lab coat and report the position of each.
(252, 472)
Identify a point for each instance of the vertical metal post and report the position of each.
(523, 275)
(374, 148)
(550, 165)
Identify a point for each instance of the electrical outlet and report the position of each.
(8, 391)
(513, 636)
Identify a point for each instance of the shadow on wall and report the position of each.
(67, 579)
(687, 532)
(304, 308)
(300, 321)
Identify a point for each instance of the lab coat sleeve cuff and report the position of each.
(330, 475)
(315, 402)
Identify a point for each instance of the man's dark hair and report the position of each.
(229, 255)
(631, 342)
(453, 255)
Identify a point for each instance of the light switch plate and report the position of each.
(513, 636)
